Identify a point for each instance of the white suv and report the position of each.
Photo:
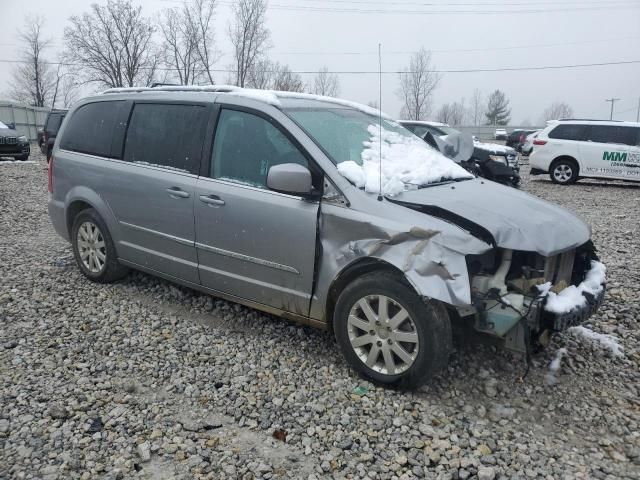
(571, 149)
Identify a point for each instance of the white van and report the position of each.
(571, 149)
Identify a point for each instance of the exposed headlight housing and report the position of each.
(22, 139)
(499, 159)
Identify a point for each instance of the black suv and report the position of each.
(50, 130)
(12, 144)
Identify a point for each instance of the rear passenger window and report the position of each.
(568, 132)
(166, 135)
(91, 129)
(613, 134)
(246, 146)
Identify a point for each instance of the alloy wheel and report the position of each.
(92, 247)
(562, 173)
(383, 334)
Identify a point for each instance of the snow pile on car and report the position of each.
(493, 147)
(405, 161)
(572, 297)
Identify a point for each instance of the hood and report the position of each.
(8, 132)
(502, 216)
(494, 148)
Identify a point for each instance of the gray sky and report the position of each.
(307, 37)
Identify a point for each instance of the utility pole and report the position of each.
(612, 100)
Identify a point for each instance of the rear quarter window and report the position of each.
(91, 128)
(568, 132)
(621, 135)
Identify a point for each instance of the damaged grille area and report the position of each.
(510, 290)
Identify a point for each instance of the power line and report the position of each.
(374, 10)
(366, 72)
(450, 50)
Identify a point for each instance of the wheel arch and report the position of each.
(565, 157)
(352, 271)
(81, 198)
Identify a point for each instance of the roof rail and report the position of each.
(176, 88)
(587, 120)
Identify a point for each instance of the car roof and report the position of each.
(584, 121)
(275, 98)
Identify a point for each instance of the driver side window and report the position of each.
(246, 146)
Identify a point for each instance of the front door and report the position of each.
(252, 242)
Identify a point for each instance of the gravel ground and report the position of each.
(144, 379)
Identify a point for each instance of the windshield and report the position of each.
(353, 141)
(2, 125)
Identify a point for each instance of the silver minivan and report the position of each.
(320, 211)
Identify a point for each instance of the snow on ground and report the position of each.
(405, 160)
(608, 342)
(7, 162)
(550, 377)
(571, 297)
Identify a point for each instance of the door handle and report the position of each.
(212, 200)
(177, 192)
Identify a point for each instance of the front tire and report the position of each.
(388, 333)
(564, 171)
(93, 248)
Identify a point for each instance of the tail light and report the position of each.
(50, 174)
(539, 142)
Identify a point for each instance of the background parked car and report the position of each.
(12, 144)
(50, 131)
(506, 155)
(572, 149)
(501, 134)
(527, 147)
(517, 138)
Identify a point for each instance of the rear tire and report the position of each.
(93, 248)
(22, 158)
(564, 171)
(379, 344)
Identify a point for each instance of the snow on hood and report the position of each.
(571, 297)
(493, 147)
(405, 160)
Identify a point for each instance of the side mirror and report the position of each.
(290, 178)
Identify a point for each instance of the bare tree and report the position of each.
(417, 83)
(374, 104)
(204, 11)
(249, 37)
(112, 45)
(188, 48)
(33, 79)
(268, 75)
(326, 83)
(69, 91)
(476, 109)
(452, 113)
(557, 110)
(286, 80)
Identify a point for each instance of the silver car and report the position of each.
(320, 211)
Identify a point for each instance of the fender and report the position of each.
(86, 195)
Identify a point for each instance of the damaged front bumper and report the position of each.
(576, 316)
(521, 319)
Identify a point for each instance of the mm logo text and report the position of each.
(615, 156)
